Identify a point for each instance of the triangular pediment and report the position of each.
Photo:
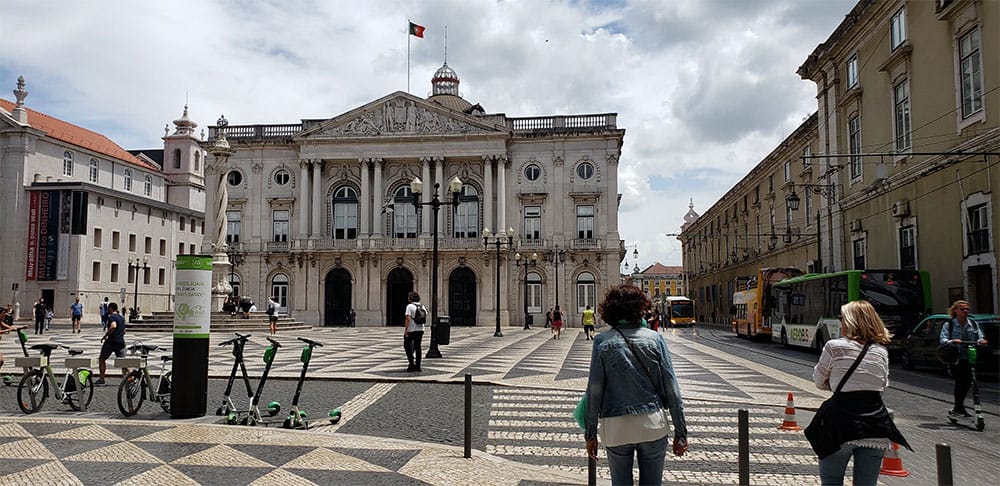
(400, 114)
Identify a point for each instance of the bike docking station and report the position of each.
(137, 384)
(22, 338)
(76, 389)
(192, 321)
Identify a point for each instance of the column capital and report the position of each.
(558, 161)
(304, 163)
(613, 159)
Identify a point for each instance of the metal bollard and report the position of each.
(943, 453)
(468, 415)
(744, 447)
(591, 471)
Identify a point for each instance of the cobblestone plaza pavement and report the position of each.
(527, 387)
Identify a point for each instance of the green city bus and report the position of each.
(806, 309)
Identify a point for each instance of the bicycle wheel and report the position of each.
(80, 390)
(32, 391)
(131, 393)
(164, 393)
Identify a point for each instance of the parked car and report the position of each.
(919, 347)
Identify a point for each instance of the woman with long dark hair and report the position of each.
(631, 384)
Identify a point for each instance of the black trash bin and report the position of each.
(529, 320)
(443, 330)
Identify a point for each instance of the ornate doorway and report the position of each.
(398, 285)
(337, 298)
(462, 297)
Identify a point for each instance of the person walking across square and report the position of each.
(272, 314)
(113, 340)
(557, 323)
(104, 314)
(76, 313)
(588, 322)
(413, 330)
(40, 312)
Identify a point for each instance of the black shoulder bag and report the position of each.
(821, 432)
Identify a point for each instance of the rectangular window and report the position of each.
(161, 277)
(585, 296)
(163, 247)
(180, 248)
(115, 237)
(93, 170)
(145, 276)
(131, 242)
(98, 235)
(770, 183)
(114, 273)
(854, 145)
(132, 271)
(852, 71)
(345, 220)
(191, 249)
(232, 227)
(788, 170)
(897, 29)
(907, 248)
(279, 225)
(404, 221)
(148, 244)
(901, 101)
(194, 224)
(970, 65)
(806, 156)
(585, 222)
(96, 272)
(859, 254)
(979, 230)
(532, 222)
(534, 297)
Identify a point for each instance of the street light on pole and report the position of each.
(134, 266)
(557, 256)
(455, 188)
(498, 240)
(236, 259)
(793, 200)
(528, 262)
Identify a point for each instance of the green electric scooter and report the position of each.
(296, 418)
(253, 416)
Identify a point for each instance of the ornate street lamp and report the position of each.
(500, 240)
(527, 262)
(236, 259)
(134, 266)
(793, 200)
(455, 188)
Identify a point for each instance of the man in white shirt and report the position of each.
(413, 330)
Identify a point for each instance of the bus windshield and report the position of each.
(893, 291)
(682, 309)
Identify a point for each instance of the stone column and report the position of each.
(302, 203)
(444, 195)
(425, 210)
(366, 200)
(379, 197)
(317, 199)
(611, 202)
(502, 163)
(488, 193)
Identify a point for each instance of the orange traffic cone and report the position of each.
(789, 423)
(892, 465)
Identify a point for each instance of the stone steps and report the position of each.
(221, 322)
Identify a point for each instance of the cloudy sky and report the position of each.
(704, 88)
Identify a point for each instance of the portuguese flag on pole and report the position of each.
(416, 30)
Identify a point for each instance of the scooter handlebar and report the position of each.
(239, 337)
(310, 342)
(274, 343)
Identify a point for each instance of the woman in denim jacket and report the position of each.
(631, 381)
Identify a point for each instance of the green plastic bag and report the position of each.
(580, 413)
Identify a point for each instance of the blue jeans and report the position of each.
(650, 457)
(867, 462)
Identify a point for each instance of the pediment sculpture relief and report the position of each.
(400, 116)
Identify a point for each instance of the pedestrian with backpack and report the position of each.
(413, 330)
(960, 328)
(104, 314)
(272, 314)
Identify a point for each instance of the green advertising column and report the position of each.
(192, 317)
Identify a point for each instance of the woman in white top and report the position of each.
(862, 424)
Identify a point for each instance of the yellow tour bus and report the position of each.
(678, 311)
(751, 304)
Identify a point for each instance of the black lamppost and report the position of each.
(455, 188)
(498, 240)
(793, 200)
(236, 259)
(527, 262)
(134, 266)
(557, 256)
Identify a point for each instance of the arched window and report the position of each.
(147, 187)
(177, 158)
(467, 213)
(534, 293)
(197, 161)
(94, 170)
(404, 215)
(234, 282)
(585, 290)
(345, 214)
(67, 163)
(128, 180)
(279, 291)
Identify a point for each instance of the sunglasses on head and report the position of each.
(963, 309)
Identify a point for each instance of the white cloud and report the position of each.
(704, 88)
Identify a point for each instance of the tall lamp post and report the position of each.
(236, 259)
(134, 265)
(793, 200)
(499, 240)
(455, 188)
(557, 256)
(527, 262)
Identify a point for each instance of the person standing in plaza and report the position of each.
(557, 323)
(858, 424)
(630, 387)
(413, 330)
(103, 309)
(588, 322)
(548, 318)
(40, 312)
(113, 340)
(272, 314)
(76, 313)
(959, 329)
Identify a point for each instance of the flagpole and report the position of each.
(407, 55)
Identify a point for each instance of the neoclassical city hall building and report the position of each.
(321, 214)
